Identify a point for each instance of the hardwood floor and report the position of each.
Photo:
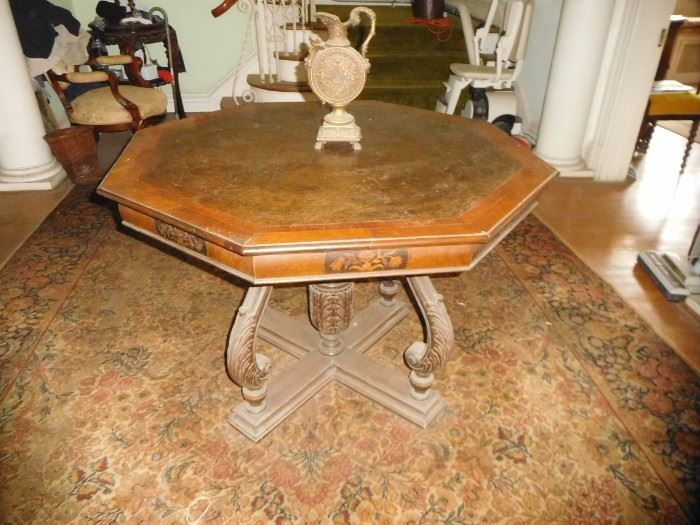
(605, 224)
(22, 212)
(608, 224)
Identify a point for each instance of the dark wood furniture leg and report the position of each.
(691, 141)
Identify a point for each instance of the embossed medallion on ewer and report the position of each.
(337, 73)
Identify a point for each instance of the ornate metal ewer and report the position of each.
(337, 73)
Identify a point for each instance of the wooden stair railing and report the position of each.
(282, 30)
(222, 8)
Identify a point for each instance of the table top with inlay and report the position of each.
(246, 189)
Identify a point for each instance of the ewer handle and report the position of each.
(354, 19)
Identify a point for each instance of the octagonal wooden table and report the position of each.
(245, 190)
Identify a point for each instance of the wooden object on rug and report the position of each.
(245, 191)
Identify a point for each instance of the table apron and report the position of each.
(307, 267)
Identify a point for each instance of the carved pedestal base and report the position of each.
(334, 351)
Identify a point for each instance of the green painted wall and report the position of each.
(210, 46)
(66, 4)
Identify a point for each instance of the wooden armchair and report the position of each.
(109, 106)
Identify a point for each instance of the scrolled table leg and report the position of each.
(248, 369)
(425, 357)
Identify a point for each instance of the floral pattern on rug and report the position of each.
(118, 411)
(36, 280)
(651, 388)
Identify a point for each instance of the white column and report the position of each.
(578, 54)
(26, 161)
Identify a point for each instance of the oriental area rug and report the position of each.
(562, 405)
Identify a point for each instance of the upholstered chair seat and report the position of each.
(683, 104)
(98, 106)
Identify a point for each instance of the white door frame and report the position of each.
(629, 63)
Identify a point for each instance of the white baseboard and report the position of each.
(211, 100)
(530, 123)
(583, 173)
(203, 102)
(197, 102)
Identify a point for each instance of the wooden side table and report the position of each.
(128, 37)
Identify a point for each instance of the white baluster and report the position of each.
(295, 19)
(276, 36)
(261, 37)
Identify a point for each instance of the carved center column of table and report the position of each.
(244, 190)
(334, 350)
